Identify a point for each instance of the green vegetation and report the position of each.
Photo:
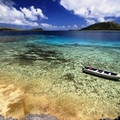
(8, 29)
(37, 29)
(15, 29)
(103, 26)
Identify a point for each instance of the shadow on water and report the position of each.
(35, 53)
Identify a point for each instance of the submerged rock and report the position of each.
(118, 118)
(2, 118)
(39, 117)
(32, 117)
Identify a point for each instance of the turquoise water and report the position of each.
(89, 45)
(111, 39)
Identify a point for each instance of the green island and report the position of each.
(103, 26)
(3, 29)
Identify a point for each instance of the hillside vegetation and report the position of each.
(8, 29)
(103, 26)
(37, 29)
(2, 29)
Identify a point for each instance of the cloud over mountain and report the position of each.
(93, 10)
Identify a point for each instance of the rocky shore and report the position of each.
(44, 117)
(32, 117)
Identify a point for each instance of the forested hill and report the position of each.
(103, 26)
(15, 29)
(8, 29)
(37, 29)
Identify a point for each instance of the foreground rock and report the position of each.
(2, 118)
(44, 117)
(118, 118)
(32, 117)
(39, 117)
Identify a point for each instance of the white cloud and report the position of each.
(68, 26)
(24, 16)
(75, 26)
(93, 9)
(90, 21)
(45, 25)
(32, 13)
(52, 27)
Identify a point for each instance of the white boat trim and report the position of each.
(101, 73)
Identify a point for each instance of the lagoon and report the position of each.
(48, 65)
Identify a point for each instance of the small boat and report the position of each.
(101, 73)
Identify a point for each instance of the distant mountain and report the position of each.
(103, 26)
(36, 29)
(8, 29)
(15, 29)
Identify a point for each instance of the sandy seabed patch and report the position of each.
(17, 99)
(11, 101)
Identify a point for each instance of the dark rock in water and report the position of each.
(106, 119)
(35, 53)
(118, 118)
(11, 118)
(32, 117)
(2, 118)
(68, 76)
(39, 117)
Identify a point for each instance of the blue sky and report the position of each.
(57, 14)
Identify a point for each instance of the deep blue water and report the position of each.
(92, 38)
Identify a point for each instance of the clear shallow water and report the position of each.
(98, 38)
(51, 62)
(94, 48)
